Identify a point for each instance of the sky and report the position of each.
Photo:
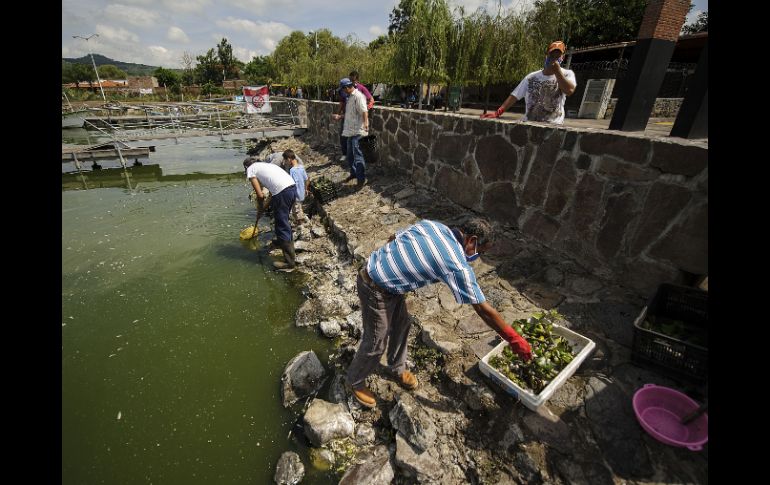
(158, 32)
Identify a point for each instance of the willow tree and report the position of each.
(422, 45)
(291, 58)
(461, 45)
(485, 33)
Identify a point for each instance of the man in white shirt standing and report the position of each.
(355, 126)
(544, 91)
(281, 186)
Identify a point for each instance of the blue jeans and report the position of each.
(282, 203)
(356, 158)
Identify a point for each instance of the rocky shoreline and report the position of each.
(457, 427)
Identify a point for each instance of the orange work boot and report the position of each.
(408, 380)
(365, 397)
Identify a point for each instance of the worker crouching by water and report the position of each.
(424, 253)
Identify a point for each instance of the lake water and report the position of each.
(174, 332)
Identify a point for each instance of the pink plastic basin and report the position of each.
(660, 411)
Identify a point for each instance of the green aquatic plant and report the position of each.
(550, 353)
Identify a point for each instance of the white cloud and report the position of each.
(267, 34)
(111, 34)
(244, 54)
(376, 30)
(253, 6)
(186, 6)
(175, 34)
(133, 15)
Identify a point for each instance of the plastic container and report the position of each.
(665, 353)
(368, 146)
(660, 411)
(581, 346)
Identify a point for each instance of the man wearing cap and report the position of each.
(283, 190)
(544, 91)
(421, 254)
(353, 76)
(355, 125)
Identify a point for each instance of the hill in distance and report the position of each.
(130, 68)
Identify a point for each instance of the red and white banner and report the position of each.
(257, 99)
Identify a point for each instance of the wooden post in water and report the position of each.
(77, 164)
(123, 162)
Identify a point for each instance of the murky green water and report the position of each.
(174, 333)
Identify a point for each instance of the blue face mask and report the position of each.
(557, 61)
(472, 257)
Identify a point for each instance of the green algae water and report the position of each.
(174, 332)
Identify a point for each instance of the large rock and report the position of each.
(325, 421)
(303, 375)
(289, 470)
(375, 469)
(408, 417)
(437, 337)
(309, 313)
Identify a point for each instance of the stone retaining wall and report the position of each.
(630, 207)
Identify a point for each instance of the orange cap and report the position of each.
(557, 44)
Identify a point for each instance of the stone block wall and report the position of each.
(627, 206)
(297, 108)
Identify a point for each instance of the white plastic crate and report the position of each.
(581, 347)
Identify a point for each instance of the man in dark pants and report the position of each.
(424, 253)
(281, 187)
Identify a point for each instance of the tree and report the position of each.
(75, 73)
(259, 70)
(108, 71)
(188, 76)
(167, 77)
(226, 59)
(583, 23)
(400, 16)
(701, 24)
(208, 69)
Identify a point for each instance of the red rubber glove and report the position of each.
(498, 113)
(517, 343)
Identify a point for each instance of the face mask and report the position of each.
(459, 237)
(557, 61)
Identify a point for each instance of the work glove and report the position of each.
(498, 113)
(517, 343)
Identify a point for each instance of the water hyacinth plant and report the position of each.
(550, 353)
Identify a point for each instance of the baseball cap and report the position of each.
(345, 82)
(557, 44)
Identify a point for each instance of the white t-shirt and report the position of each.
(542, 96)
(270, 176)
(354, 115)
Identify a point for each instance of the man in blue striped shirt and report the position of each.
(424, 253)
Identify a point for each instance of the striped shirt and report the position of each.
(424, 253)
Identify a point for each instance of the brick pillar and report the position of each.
(663, 19)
